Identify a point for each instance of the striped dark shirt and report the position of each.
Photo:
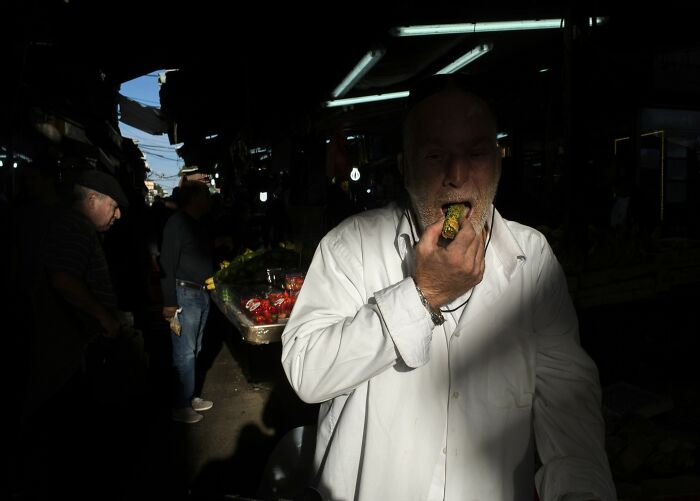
(73, 246)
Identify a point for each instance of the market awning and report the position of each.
(146, 118)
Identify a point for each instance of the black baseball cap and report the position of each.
(103, 183)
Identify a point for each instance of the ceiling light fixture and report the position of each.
(361, 68)
(458, 28)
(485, 27)
(461, 62)
(466, 58)
(366, 99)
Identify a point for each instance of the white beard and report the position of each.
(428, 213)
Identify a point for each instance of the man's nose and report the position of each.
(456, 171)
(117, 213)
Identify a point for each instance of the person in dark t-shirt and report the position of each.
(186, 261)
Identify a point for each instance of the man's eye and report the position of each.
(433, 156)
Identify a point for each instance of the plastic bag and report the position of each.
(175, 326)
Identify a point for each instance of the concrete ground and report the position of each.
(225, 454)
(87, 448)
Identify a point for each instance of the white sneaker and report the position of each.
(199, 404)
(186, 415)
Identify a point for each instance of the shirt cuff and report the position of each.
(407, 321)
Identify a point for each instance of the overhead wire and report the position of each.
(162, 156)
(143, 101)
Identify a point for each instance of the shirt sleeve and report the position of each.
(169, 259)
(340, 335)
(568, 422)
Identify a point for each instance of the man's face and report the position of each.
(102, 210)
(202, 202)
(450, 157)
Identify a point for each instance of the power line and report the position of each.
(155, 147)
(161, 175)
(147, 141)
(162, 156)
(142, 100)
(135, 133)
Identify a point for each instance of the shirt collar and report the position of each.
(503, 242)
(406, 233)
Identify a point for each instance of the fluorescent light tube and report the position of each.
(466, 58)
(366, 63)
(461, 62)
(366, 99)
(457, 28)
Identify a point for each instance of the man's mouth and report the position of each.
(468, 206)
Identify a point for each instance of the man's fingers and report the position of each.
(480, 254)
(435, 229)
(466, 234)
(431, 234)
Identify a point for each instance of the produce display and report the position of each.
(263, 284)
(268, 308)
(293, 283)
(250, 268)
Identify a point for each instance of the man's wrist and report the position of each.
(435, 313)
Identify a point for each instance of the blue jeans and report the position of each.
(186, 346)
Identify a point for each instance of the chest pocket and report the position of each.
(511, 370)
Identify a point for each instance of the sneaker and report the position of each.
(199, 404)
(186, 415)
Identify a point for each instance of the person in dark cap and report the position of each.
(79, 323)
(99, 197)
(78, 279)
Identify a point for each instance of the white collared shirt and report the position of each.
(407, 405)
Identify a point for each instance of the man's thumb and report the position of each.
(432, 232)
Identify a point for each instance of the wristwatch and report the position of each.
(435, 314)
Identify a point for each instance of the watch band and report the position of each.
(435, 314)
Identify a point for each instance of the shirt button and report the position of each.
(457, 334)
(455, 394)
(444, 450)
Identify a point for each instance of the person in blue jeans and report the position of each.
(186, 261)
